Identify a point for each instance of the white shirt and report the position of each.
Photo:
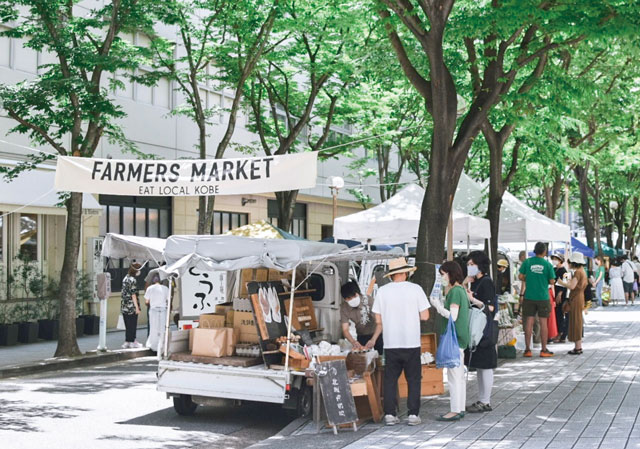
(400, 304)
(627, 271)
(157, 294)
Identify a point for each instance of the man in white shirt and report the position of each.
(628, 276)
(156, 298)
(398, 309)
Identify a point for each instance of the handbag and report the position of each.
(566, 306)
(120, 325)
(448, 353)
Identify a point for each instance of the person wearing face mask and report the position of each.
(356, 307)
(130, 306)
(456, 306)
(484, 359)
(501, 277)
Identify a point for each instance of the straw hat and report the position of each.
(399, 265)
(503, 263)
(558, 256)
(577, 258)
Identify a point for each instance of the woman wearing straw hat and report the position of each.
(398, 309)
(577, 285)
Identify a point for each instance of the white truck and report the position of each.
(327, 266)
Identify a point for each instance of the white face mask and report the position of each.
(354, 302)
(555, 262)
(472, 270)
(445, 280)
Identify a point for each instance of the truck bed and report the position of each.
(226, 361)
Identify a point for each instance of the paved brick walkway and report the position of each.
(583, 402)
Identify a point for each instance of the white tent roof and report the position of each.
(225, 252)
(518, 222)
(35, 188)
(397, 221)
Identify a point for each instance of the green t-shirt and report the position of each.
(538, 272)
(600, 272)
(458, 295)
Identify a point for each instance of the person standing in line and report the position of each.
(615, 279)
(502, 279)
(562, 319)
(536, 273)
(130, 306)
(628, 276)
(356, 307)
(398, 309)
(456, 306)
(576, 285)
(484, 359)
(156, 298)
(598, 281)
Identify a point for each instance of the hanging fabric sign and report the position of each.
(187, 177)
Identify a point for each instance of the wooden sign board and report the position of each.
(336, 393)
(268, 310)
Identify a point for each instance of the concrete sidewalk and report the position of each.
(583, 402)
(23, 359)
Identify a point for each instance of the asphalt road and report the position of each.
(117, 406)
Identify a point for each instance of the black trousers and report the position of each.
(397, 361)
(562, 320)
(130, 325)
(364, 339)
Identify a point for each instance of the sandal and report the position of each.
(527, 353)
(452, 418)
(575, 352)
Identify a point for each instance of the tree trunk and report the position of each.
(67, 343)
(286, 203)
(205, 203)
(582, 174)
(596, 214)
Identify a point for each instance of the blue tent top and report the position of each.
(576, 247)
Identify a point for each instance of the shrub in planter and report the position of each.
(79, 326)
(27, 324)
(49, 324)
(91, 324)
(8, 329)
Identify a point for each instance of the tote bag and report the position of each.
(448, 353)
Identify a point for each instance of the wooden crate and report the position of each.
(432, 382)
(428, 344)
(329, 358)
(304, 315)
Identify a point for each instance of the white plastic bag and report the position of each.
(120, 325)
(520, 346)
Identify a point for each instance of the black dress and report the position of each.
(485, 355)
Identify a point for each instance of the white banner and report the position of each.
(201, 291)
(187, 177)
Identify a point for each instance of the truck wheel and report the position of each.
(305, 402)
(184, 405)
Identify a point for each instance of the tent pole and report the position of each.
(291, 296)
(468, 245)
(166, 328)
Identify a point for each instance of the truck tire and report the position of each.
(184, 405)
(305, 402)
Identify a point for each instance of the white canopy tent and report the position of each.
(397, 221)
(518, 222)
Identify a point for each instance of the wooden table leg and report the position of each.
(373, 397)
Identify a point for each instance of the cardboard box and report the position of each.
(246, 326)
(222, 309)
(228, 321)
(211, 320)
(210, 342)
(252, 274)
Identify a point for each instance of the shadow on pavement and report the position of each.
(17, 416)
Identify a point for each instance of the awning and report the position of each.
(119, 246)
(35, 190)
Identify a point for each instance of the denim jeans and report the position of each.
(599, 286)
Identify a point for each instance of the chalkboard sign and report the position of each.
(336, 393)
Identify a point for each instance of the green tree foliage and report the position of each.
(67, 107)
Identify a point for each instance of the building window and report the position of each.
(28, 237)
(299, 221)
(129, 215)
(326, 231)
(226, 221)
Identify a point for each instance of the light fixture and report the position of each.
(246, 201)
(613, 205)
(336, 182)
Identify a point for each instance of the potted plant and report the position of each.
(8, 329)
(84, 294)
(48, 325)
(27, 324)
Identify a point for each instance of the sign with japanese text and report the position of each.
(187, 177)
(202, 290)
(336, 392)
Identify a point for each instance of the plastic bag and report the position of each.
(448, 353)
(120, 325)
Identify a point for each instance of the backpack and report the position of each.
(477, 323)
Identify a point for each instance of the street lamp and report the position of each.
(613, 205)
(335, 184)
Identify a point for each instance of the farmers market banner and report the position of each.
(187, 177)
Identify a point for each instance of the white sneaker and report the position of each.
(391, 420)
(136, 345)
(413, 420)
(126, 345)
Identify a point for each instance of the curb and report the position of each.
(56, 364)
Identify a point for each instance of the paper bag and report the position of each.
(232, 340)
(209, 342)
